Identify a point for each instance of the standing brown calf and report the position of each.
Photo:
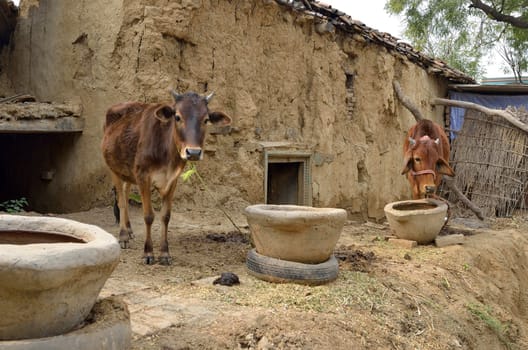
(426, 155)
(149, 145)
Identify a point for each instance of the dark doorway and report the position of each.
(28, 163)
(287, 178)
(283, 183)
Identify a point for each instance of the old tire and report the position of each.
(282, 271)
(109, 329)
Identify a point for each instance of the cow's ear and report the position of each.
(219, 118)
(407, 163)
(443, 168)
(165, 113)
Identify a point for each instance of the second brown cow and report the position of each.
(149, 145)
(426, 155)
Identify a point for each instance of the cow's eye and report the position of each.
(417, 160)
(177, 117)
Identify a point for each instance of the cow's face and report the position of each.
(191, 115)
(424, 165)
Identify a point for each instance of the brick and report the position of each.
(404, 243)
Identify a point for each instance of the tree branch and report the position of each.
(406, 102)
(497, 112)
(451, 184)
(498, 16)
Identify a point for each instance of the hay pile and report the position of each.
(489, 156)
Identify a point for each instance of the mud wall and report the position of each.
(329, 94)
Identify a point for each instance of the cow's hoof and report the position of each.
(149, 260)
(124, 244)
(131, 234)
(165, 260)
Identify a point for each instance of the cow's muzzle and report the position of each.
(193, 153)
(430, 189)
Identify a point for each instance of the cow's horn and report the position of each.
(437, 141)
(412, 142)
(209, 97)
(176, 96)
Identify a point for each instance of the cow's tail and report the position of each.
(116, 207)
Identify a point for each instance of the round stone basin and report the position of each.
(51, 272)
(418, 220)
(295, 233)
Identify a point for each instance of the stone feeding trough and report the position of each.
(294, 243)
(417, 220)
(51, 273)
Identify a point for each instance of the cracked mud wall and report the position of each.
(329, 94)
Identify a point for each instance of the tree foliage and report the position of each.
(463, 32)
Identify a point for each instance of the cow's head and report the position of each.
(190, 115)
(424, 164)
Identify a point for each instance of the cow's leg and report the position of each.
(126, 193)
(165, 258)
(148, 216)
(122, 203)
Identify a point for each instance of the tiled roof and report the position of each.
(346, 24)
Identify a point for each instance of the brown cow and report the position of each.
(426, 155)
(148, 145)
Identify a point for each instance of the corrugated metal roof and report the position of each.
(491, 89)
(345, 23)
(502, 80)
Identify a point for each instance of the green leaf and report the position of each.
(135, 197)
(186, 175)
(14, 205)
(462, 35)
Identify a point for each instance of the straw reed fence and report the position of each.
(490, 159)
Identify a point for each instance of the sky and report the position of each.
(372, 13)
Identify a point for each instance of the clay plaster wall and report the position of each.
(271, 71)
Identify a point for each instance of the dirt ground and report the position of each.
(469, 296)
